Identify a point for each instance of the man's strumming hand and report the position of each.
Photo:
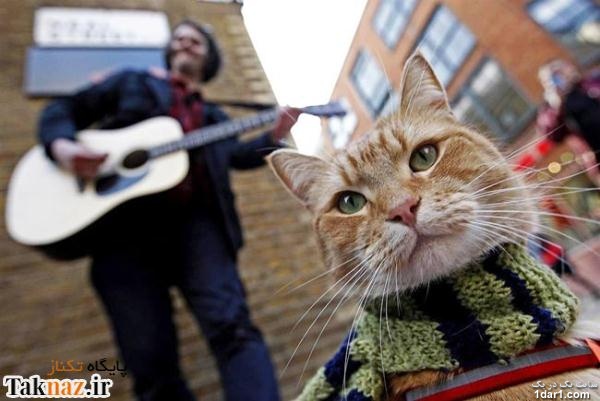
(78, 159)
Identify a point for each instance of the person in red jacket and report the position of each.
(571, 106)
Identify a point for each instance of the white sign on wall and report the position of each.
(89, 27)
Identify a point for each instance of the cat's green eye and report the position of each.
(423, 158)
(351, 202)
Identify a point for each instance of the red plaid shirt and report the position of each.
(187, 108)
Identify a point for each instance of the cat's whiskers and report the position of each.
(493, 235)
(357, 317)
(524, 238)
(519, 199)
(547, 191)
(490, 236)
(485, 192)
(535, 185)
(487, 239)
(389, 274)
(537, 139)
(422, 279)
(521, 177)
(363, 268)
(354, 271)
(543, 226)
(331, 287)
(320, 275)
(511, 232)
(514, 153)
(397, 286)
(541, 213)
(340, 302)
(380, 330)
(493, 231)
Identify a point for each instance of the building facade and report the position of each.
(487, 55)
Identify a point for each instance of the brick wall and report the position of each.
(48, 310)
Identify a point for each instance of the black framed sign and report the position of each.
(77, 46)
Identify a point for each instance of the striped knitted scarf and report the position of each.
(482, 314)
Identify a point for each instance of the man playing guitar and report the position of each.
(186, 237)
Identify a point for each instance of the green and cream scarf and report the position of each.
(482, 314)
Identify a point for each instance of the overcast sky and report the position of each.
(302, 45)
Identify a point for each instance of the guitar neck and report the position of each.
(203, 136)
(231, 128)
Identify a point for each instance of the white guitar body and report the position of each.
(51, 209)
(46, 204)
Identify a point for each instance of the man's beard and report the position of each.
(187, 67)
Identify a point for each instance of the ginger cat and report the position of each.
(419, 197)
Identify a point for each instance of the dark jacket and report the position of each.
(128, 97)
(580, 114)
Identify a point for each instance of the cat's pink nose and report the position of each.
(406, 212)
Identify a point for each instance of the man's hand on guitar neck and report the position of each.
(285, 121)
(76, 158)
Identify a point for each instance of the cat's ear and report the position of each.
(420, 89)
(299, 173)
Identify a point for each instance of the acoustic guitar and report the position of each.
(47, 205)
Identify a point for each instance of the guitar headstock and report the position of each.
(332, 109)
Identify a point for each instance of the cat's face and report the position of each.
(412, 201)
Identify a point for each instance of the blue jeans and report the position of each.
(132, 275)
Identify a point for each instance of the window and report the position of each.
(492, 103)
(342, 128)
(446, 43)
(575, 23)
(391, 19)
(370, 82)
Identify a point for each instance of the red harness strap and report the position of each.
(521, 369)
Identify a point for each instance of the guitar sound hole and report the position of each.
(135, 159)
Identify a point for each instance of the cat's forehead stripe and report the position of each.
(368, 154)
(385, 144)
(392, 130)
(355, 163)
(345, 176)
